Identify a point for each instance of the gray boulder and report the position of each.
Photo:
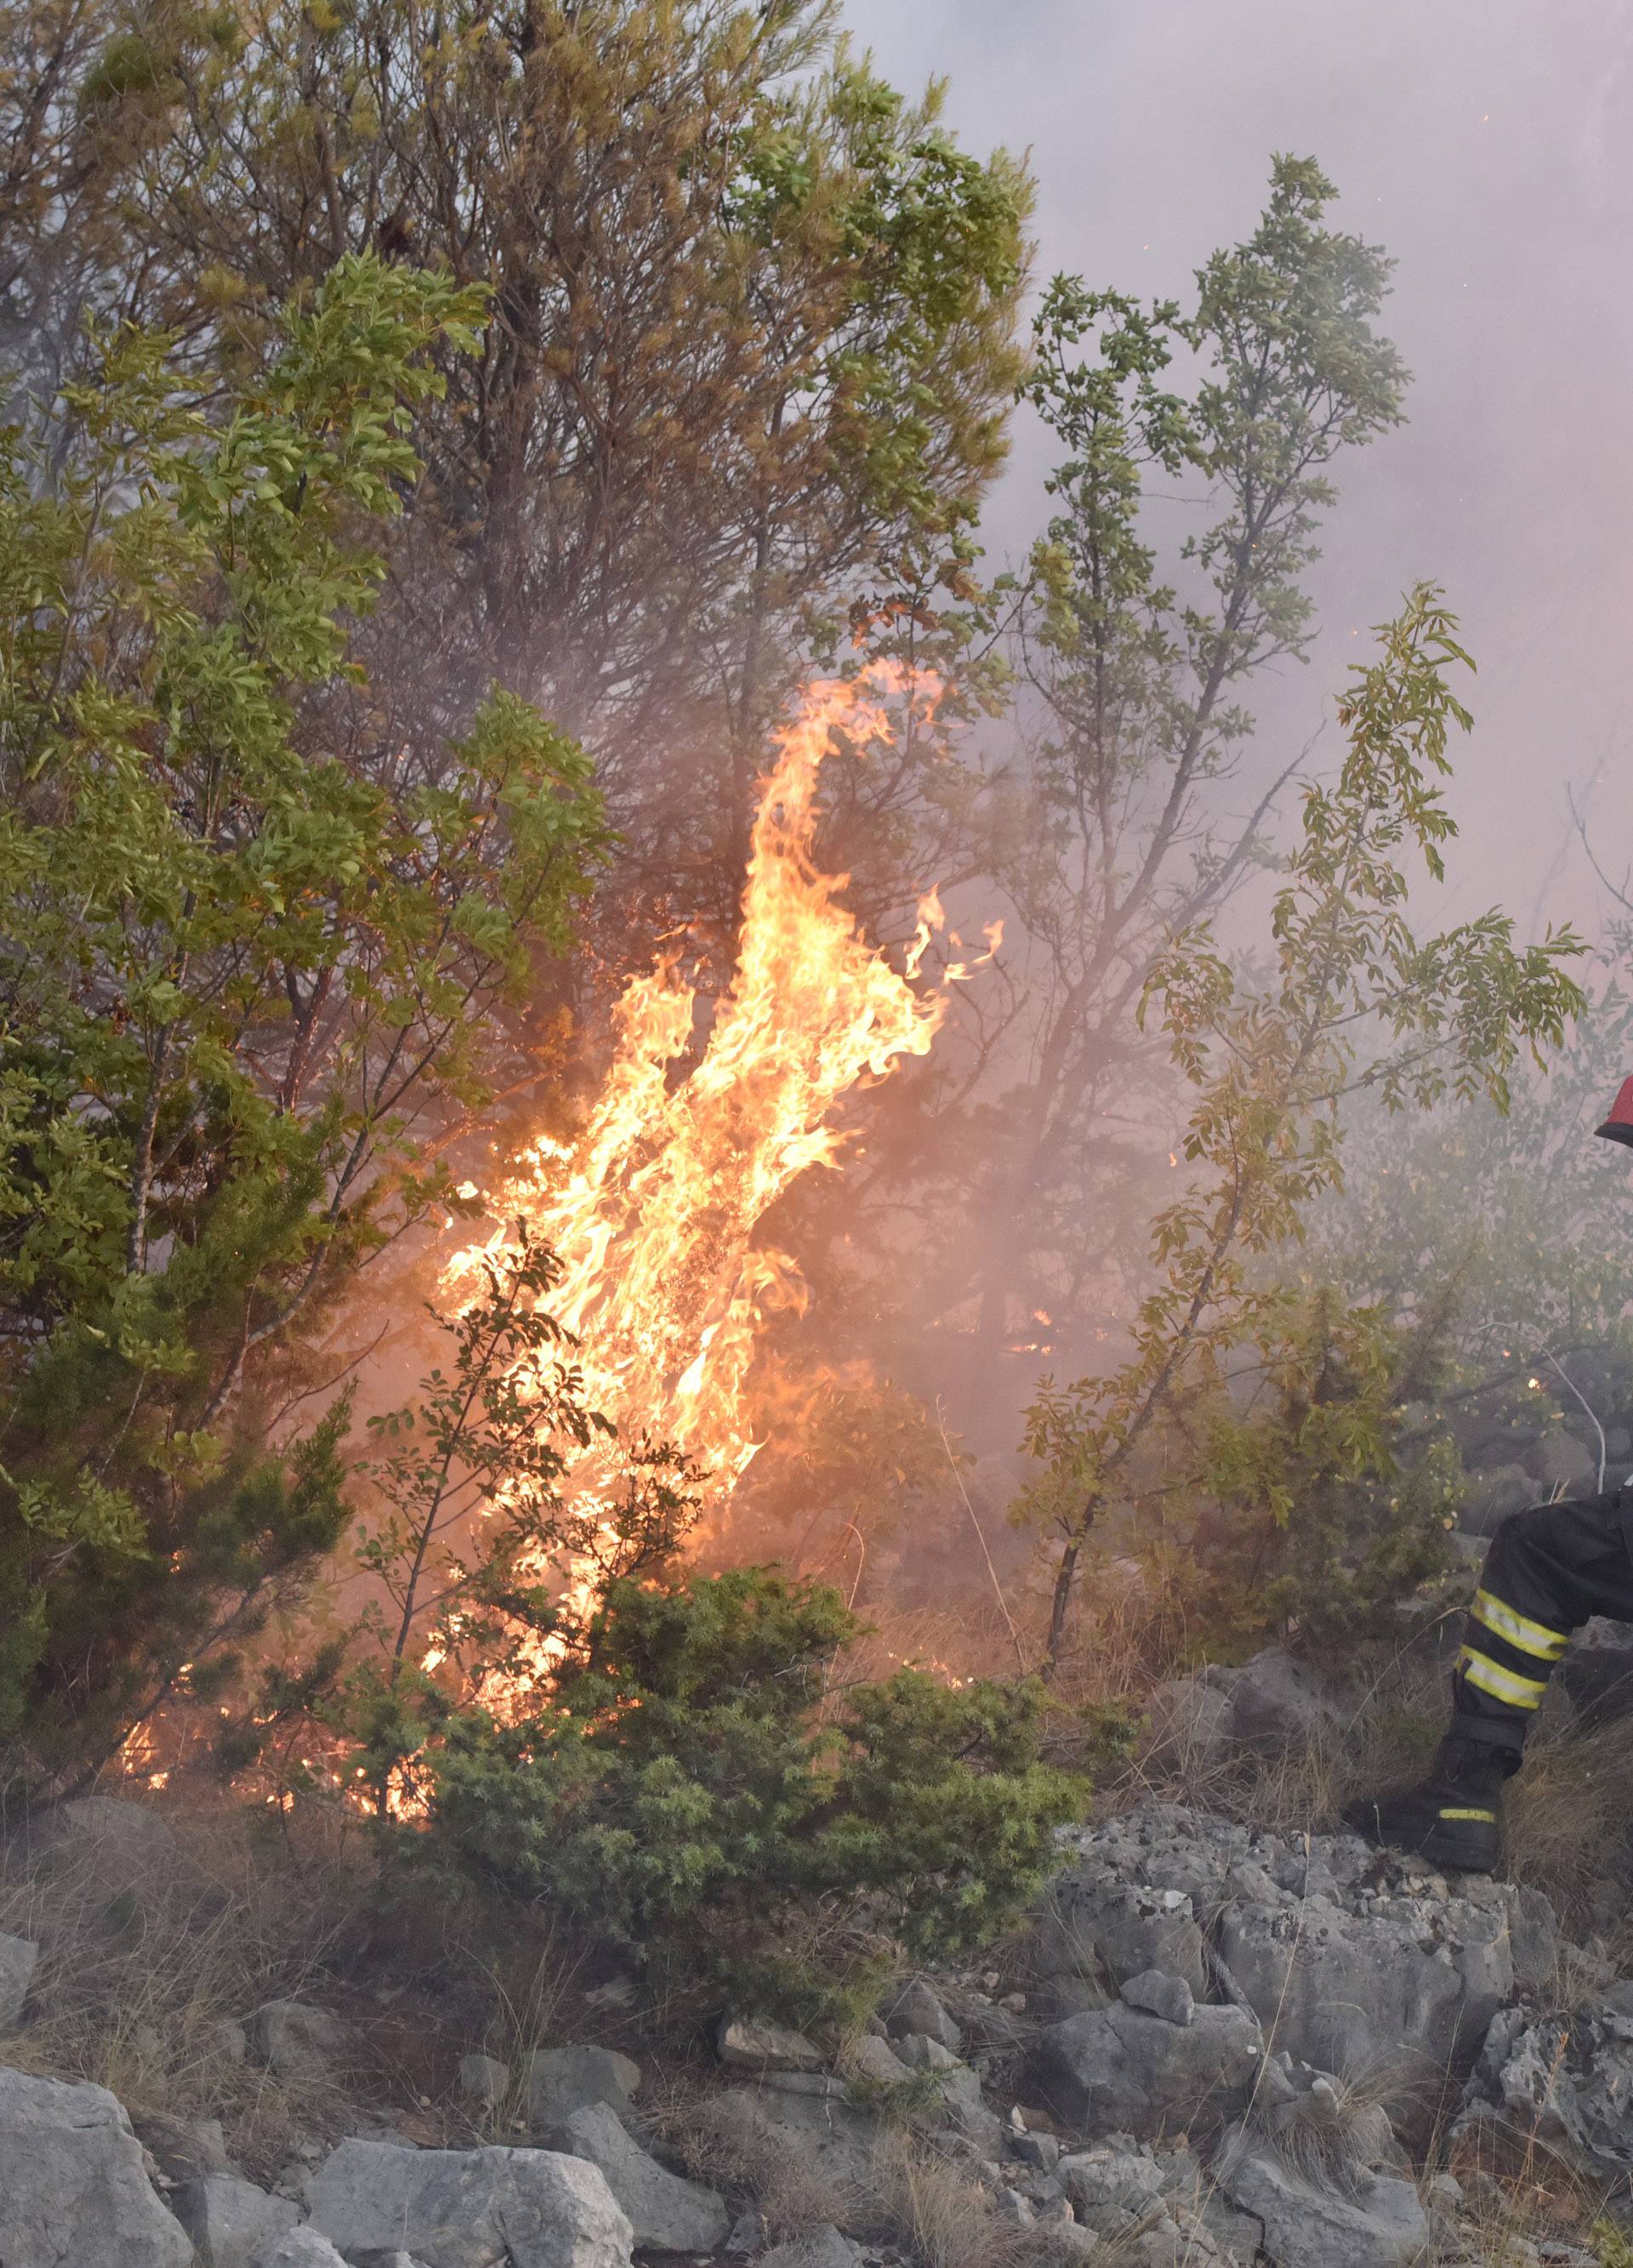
(1098, 1919)
(17, 1959)
(1562, 1462)
(484, 2080)
(1380, 2223)
(1354, 1960)
(667, 2213)
(108, 1842)
(491, 2208)
(825, 2247)
(743, 2045)
(1271, 1703)
(1122, 2069)
(920, 2052)
(876, 2063)
(1407, 1990)
(917, 2009)
(183, 2149)
(295, 2040)
(230, 2220)
(304, 2248)
(1167, 1997)
(561, 2080)
(73, 2188)
(1567, 2081)
(822, 2136)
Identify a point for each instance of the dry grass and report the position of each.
(143, 1972)
(530, 2003)
(716, 2144)
(1568, 1817)
(949, 2220)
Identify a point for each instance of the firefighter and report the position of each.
(1547, 1572)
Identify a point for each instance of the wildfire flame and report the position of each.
(653, 1214)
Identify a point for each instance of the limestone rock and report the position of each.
(304, 2248)
(920, 2052)
(874, 2062)
(561, 2080)
(1568, 2081)
(1410, 1991)
(1347, 1956)
(746, 2046)
(1381, 2225)
(295, 2040)
(114, 1835)
(831, 2140)
(918, 2009)
(73, 2187)
(825, 2247)
(17, 1957)
(230, 2220)
(1493, 1495)
(1167, 1997)
(1124, 2069)
(470, 2208)
(667, 2213)
(484, 2080)
(183, 2149)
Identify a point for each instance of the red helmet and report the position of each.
(1619, 1126)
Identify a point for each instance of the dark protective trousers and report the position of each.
(1547, 1572)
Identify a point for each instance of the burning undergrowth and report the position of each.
(655, 1214)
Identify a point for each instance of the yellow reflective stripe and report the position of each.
(1488, 1817)
(1529, 1637)
(1502, 1684)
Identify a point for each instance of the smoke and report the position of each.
(1485, 144)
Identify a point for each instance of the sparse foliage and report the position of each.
(1241, 1392)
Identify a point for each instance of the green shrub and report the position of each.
(701, 1787)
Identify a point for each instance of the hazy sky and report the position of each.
(1489, 145)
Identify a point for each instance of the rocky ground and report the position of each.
(1214, 2045)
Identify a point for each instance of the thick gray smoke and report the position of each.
(1488, 144)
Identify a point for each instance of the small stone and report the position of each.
(17, 1959)
(1014, 2209)
(1040, 2150)
(1014, 2003)
(1167, 1997)
(304, 2248)
(872, 2060)
(746, 2046)
(822, 2247)
(920, 2052)
(484, 2079)
(918, 2009)
(561, 2080)
(294, 2041)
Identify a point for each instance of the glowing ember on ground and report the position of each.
(654, 1214)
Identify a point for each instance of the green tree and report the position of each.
(749, 369)
(503, 1502)
(1351, 997)
(246, 955)
(1134, 653)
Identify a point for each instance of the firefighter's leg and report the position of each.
(1547, 1572)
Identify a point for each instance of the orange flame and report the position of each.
(653, 1214)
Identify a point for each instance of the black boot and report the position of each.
(1452, 1819)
